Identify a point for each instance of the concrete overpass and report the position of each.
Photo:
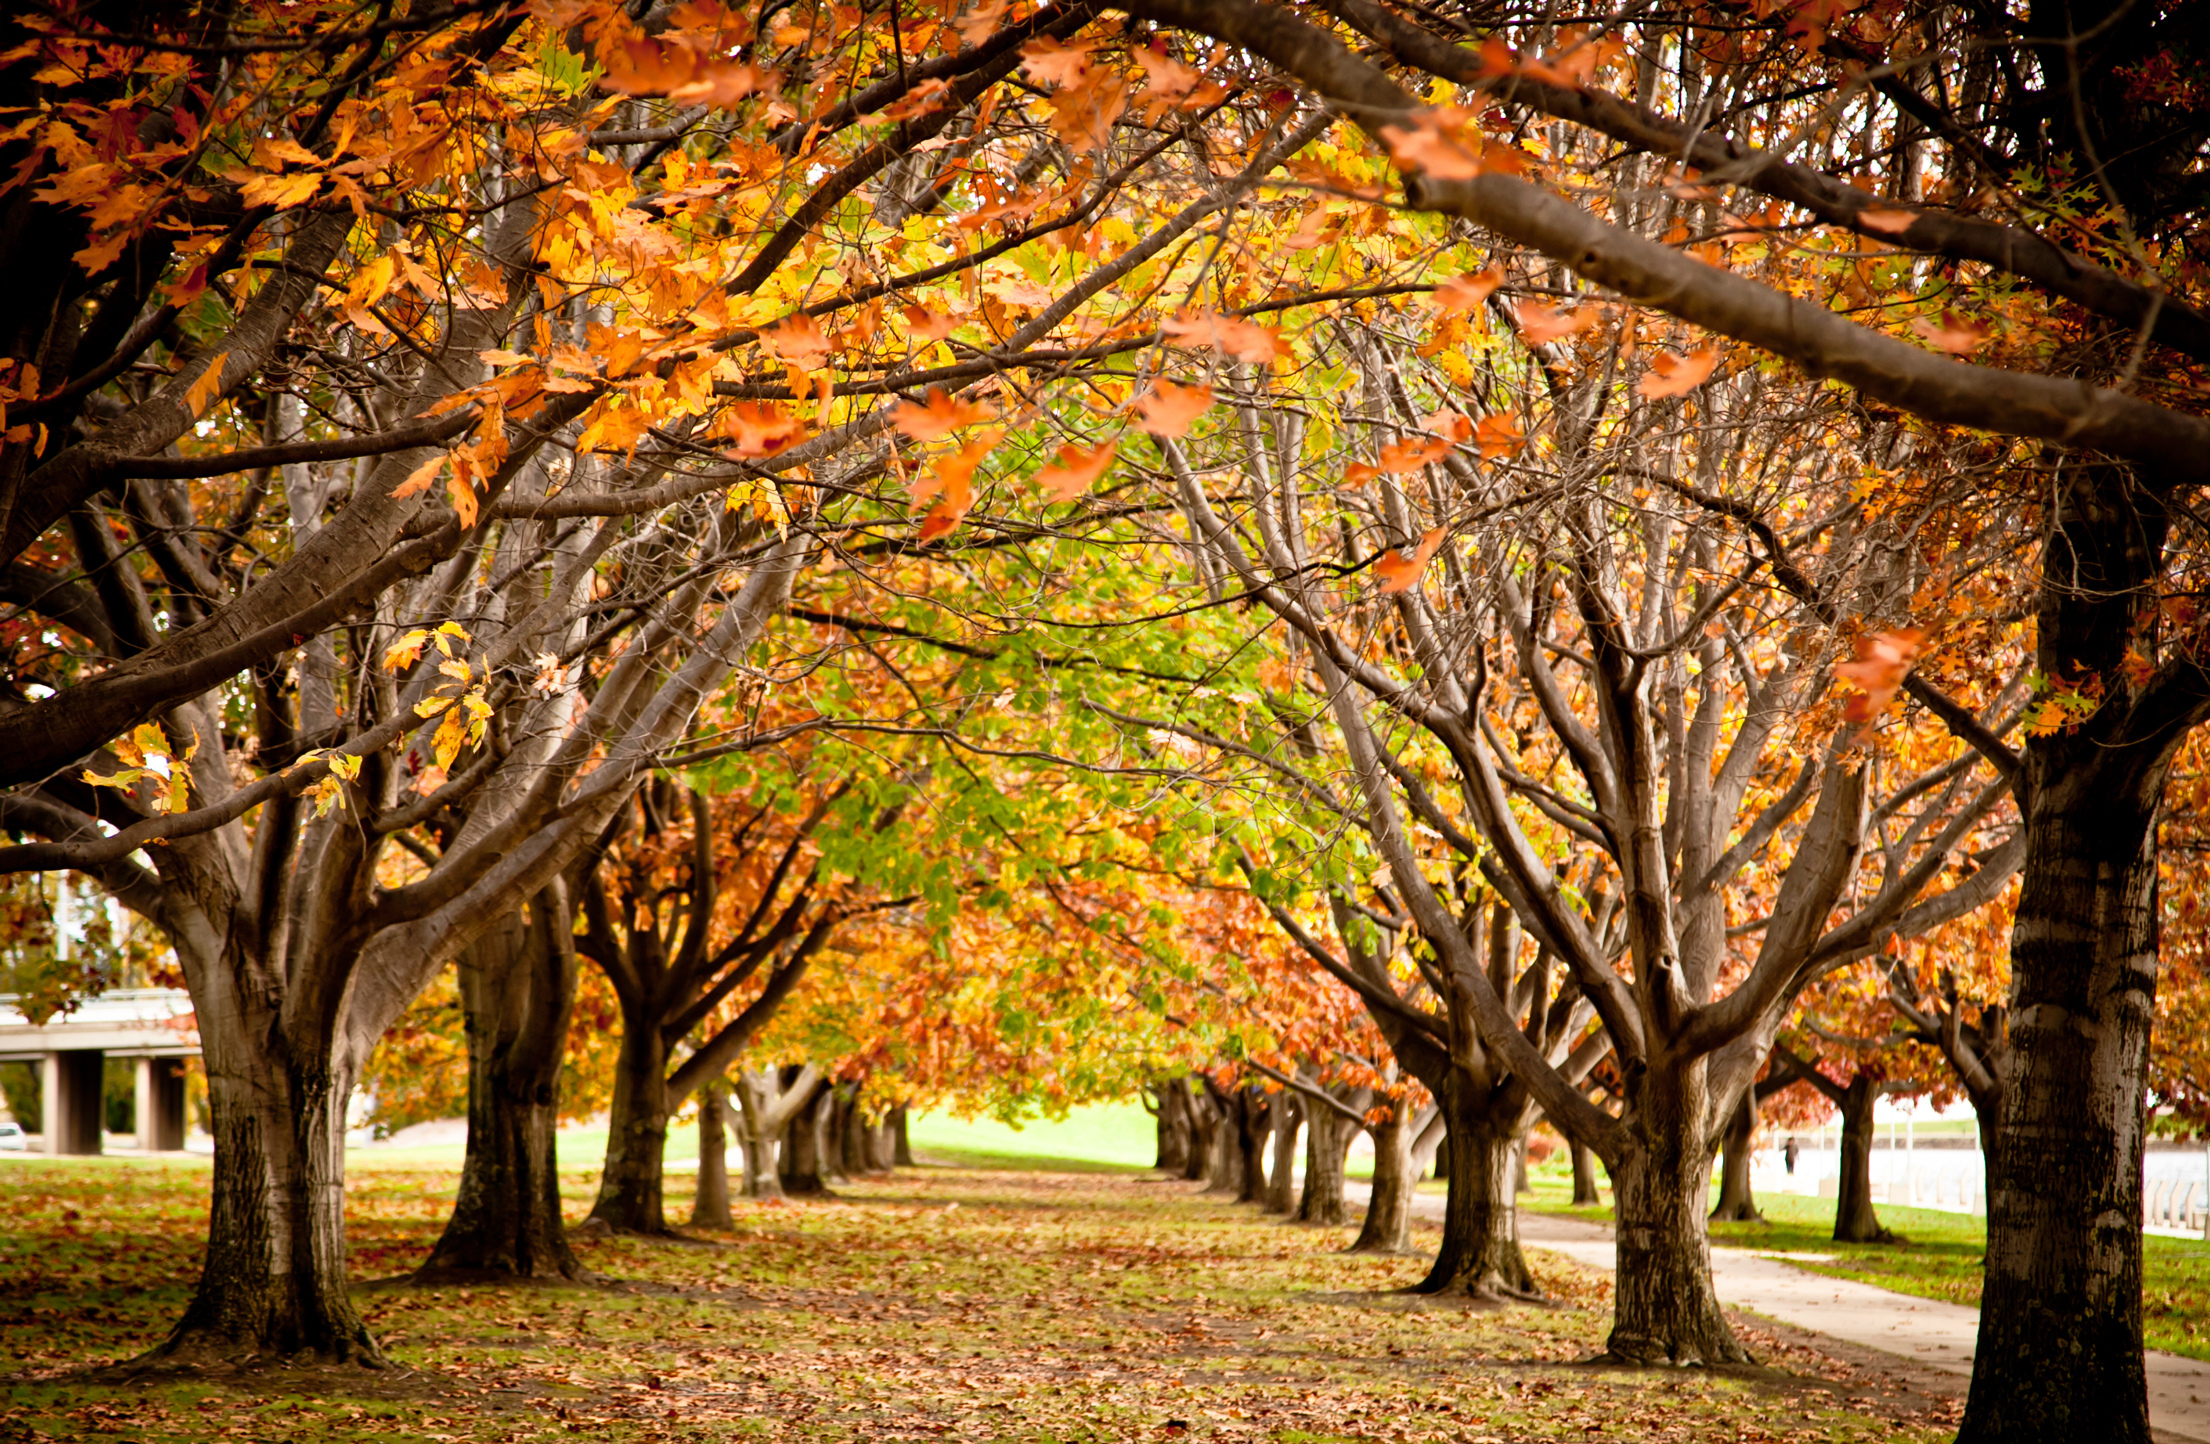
(154, 1026)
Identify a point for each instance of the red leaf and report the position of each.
(1884, 659)
(1672, 375)
(1399, 572)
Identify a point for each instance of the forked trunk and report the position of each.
(1664, 1308)
(273, 1286)
(2059, 1355)
(1736, 1205)
(1479, 1257)
(1854, 1220)
(1585, 1192)
(800, 1164)
(630, 1189)
(517, 985)
(711, 1209)
(1281, 1176)
(1388, 1225)
(1173, 1126)
(1327, 1139)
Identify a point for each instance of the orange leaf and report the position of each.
(1672, 375)
(1464, 293)
(1499, 436)
(980, 23)
(926, 326)
(1953, 333)
(1541, 325)
(797, 339)
(938, 416)
(1423, 147)
(419, 479)
(1168, 408)
(1075, 471)
(1230, 336)
(951, 482)
(1884, 659)
(461, 487)
(1400, 458)
(759, 430)
(1399, 572)
(1047, 62)
(203, 391)
(1886, 222)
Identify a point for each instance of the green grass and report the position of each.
(1096, 1138)
(1937, 1255)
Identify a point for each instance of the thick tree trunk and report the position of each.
(1204, 1137)
(1664, 1308)
(901, 1150)
(630, 1188)
(853, 1149)
(1173, 1126)
(1479, 1256)
(1854, 1220)
(2059, 1355)
(273, 1285)
(1585, 1193)
(1736, 1205)
(1254, 1120)
(800, 1163)
(1388, 1225)
(1281, 1176)
(711, 1209)
(1327, 1140)
(517, 985)
(828, 1135)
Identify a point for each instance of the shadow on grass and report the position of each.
(937, 1155)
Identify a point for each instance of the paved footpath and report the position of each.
(1937, 1334)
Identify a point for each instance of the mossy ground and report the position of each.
(940, 1303)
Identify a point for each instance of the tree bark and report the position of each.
(800, 1163)
(1328, 1137)
(1388, 1224)
(1736, 1205)
(1254, 1119)
(1854, 1219)
(1664, 1310)
(517, 985)
(1281, 1176)
(901, 1153)
(274, 1283)
(1173, 1126)
(1479, 1256)
(1204, 1134)
(852, 1144)
(630, 1188)
(711, 1208)
(1585, 1193)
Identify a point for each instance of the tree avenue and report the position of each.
(1331, 567)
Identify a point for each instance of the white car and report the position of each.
(13, 1139)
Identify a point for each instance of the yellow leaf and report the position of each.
(406, 651)
(203, 392)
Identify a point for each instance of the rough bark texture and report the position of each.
(901, 1150)
(1173, 1126)
(1736, 1205)
(1254, 1121)
(274, 1282)
(1479, 1256)
(1281, 1175)
(1664, 1310)
(1388, 1225)
(1204, 1133)
(630, 1187)
(800, 1164)
(1585, 1191)
(1328, 1137)
(1854, 1219)
(711, 1209)
(2059, 1356)
(517, 985)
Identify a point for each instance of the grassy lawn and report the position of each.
(1097, 1138)
(1938, 1256)
(942, 1302)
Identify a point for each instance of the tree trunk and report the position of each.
(853, 1143)
(1585, 1192)
(1204, 1135)
(1254, 1119)
(1521, 1183)
(801, 1161)
(901, 1153)
(2059, 1355)
(1854, 1220)
(1327, 1139)
(711, 1209)
(1225, 1173)
(1479, 1256)
(828, 1136)
(1736, 1205)
(517, 985)
(1388, 1225)
(1663, 1307)
(1281, 1177)
(274, 1285)
(1173, 1126)
(756, 1141)
(630, 1188)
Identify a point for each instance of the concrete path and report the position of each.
(1939, 1335)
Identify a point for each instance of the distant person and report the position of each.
(1788, 1152)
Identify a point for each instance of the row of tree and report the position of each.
(1601, 542)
